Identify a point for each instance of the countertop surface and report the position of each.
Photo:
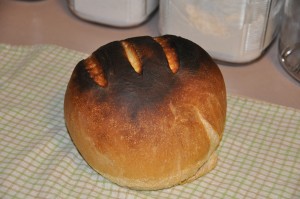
(51, 22)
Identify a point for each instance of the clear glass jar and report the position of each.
(289, 41)
(229, 30)
(116, 13)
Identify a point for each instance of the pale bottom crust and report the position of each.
(209, 165)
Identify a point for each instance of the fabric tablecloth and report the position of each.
(259, 156)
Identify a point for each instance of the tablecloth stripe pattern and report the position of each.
(259, 156)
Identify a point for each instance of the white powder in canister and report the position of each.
(230, 30)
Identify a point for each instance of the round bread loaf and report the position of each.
(147, 113)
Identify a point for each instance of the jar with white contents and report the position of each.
(234, 31)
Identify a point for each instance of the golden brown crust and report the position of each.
(132, 56)
(170, 53)
(151, 129)
(95, 70)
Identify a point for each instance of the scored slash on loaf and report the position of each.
(96, 71)
(147, 113)
(132, 56)
(170, 53)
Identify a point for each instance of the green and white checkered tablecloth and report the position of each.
(259, 156)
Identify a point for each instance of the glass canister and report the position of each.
(229, 30)
(289, 41)
(118, 13)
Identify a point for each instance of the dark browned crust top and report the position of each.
(156, 79)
